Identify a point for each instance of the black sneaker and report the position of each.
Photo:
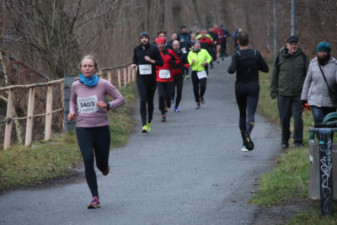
(284, 145)
(202, 100)
(198, 105)
(247, 141)
(298, 144)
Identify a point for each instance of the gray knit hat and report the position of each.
(144, 34)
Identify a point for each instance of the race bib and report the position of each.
(202, 74)
(87, 104)
(183, 50)
(164, 74)
(145, 69)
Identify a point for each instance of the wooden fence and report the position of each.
(120, 76)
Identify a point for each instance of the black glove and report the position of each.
(304, 103)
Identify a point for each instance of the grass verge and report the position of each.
(23, 166)
(287, 183)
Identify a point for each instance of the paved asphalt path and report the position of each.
(187, 171)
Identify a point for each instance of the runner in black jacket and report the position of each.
(145, 58)
(178, 71)
(247, 63)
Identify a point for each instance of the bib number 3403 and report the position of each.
(87, 104)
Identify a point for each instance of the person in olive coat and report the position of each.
(288, 74)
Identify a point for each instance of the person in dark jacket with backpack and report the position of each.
(288, 75)
(246, 63)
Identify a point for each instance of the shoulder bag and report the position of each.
(332, 89)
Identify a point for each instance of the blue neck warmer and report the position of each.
(89, 81)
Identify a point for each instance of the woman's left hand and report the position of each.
(204, 63)
(101, 105)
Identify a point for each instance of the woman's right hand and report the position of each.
(71, 117)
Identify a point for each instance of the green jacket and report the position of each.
(288, 73)
(201, 56)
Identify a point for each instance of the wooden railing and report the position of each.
(125, 75)
(120, 76)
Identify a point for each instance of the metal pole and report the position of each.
(292, 17)
(268, 26)
(275, 41)
(68, 80)
(325, 173)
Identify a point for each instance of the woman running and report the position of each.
(88, 102)
(165, 76)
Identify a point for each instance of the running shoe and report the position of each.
(198, 105)
(165, 109)
(284, 144)
(163, 118)
(202, 100)
(187, 77)
(144, 129)
(247, 141)
(94, 204)
(149, 127)
(176, 109)
(106, 172)
(244, 149)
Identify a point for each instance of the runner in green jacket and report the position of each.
(198, 58)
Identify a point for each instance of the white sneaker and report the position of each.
(244, 149)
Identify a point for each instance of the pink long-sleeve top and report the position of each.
(83, 103)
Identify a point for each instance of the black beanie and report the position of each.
(144, 34)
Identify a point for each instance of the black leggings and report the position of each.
(178, 82)
(196, 83)
(146, 89)
(247, 97)
(164, 94)
(90, 140)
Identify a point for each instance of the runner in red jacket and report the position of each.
(165, 76)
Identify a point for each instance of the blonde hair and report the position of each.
(89, 57)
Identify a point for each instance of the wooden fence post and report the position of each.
(9, 115)
(30, 117)
(49, 110)
(68, 81)
(119, 78)
(110, 77)
(133, 75)
(129, 74)
(125, 82)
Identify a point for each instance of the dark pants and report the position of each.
(290, 106)
(90, 140)
(320, 112)
(199, 86)
(223, 50)
(247, 97)
(164, 94)
(146, 89)
(177, 83)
